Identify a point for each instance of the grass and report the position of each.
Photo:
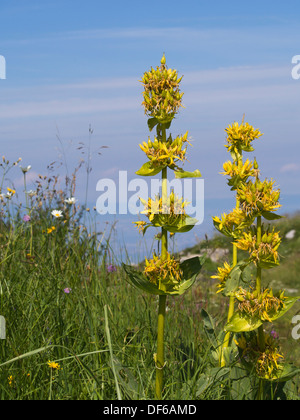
(66, 301)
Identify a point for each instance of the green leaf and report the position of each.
(152, 122)
(149, 170)
(268, 215)
(287, 373)
(165, 119)
(138, 280)
(243, 323)
(162, 123)
(22, 356)
(180, 173)
(192, 266)
(237, 278)
(190, 270)
(178, 225)
(288, 304)
(209, 328)
(248, 148)
(267, 264)
(183, 225)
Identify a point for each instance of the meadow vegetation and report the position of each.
(70, 334)
(83, 325)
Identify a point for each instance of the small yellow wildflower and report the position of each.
(10, 380)
(53, 365)
(11, 191)
(50, 230)
(140, 225)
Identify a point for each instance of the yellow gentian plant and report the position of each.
(251, 304)
(163, 274)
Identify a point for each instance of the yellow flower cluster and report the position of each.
(264, 252)
(240, 137)
(173, 206)
(222, 276)
(239, 171)
(258, 197)
(260, 305)
(169, 213)
(232, 223)
(267, 362)
(165, 153)
(163, 272)
(162, 97)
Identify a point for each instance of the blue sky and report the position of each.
(71, 64)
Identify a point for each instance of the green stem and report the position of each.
(231, 302)
(160, 362)
(25, 191)
(261, 334)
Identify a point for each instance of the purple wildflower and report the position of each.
(67, 290)
(111, 268)
(275, 334)
(26, 218)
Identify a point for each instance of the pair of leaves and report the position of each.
(179, 225)
(151, 168)
(190, 269)
(161, 122)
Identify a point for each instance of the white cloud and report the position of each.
(70, 106)
(216, 86)
(31, 177)
(290, 167)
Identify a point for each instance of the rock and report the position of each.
(214, 254)
(217, 254)
(291, 234)
(188, 256)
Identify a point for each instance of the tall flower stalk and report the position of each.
(251, 304)
(28, 210)
(239, 139)
(163, 274)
